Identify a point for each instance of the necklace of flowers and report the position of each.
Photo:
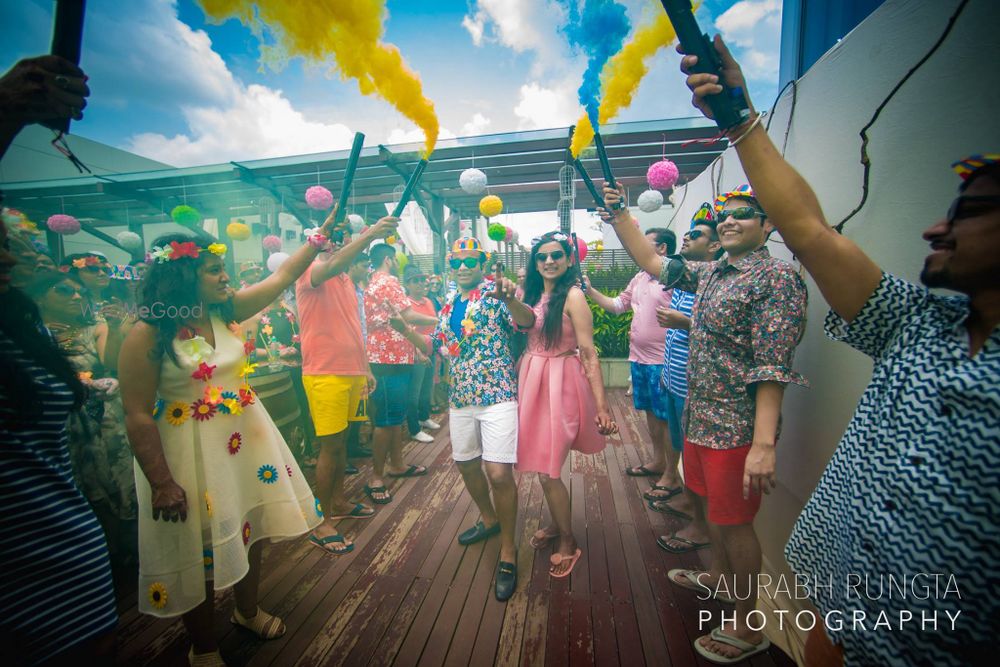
(214, 397)
(468, 324)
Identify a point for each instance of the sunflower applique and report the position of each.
(268, 474)
(158, 595)
(177, 413)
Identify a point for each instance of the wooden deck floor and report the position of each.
(409, 595)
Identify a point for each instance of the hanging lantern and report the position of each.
(473, 181)
(319, 198)
(186, 216)
(509, 235)
(63, 224)
(238, 231)
(662, 175)
(650, 200)
(496, 232)
(271, 243)
(130, 241)
(356, 222)
(581, 249)
(275, 261)
(490, 206)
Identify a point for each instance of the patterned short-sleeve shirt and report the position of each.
(747, 318)
(385, 299)
(913, 487)
(482, 368)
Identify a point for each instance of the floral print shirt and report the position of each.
(747, 319)
(385, 299)
(482, 368)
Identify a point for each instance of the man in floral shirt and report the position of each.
(474, 331)
(748, 317)
(391, 358)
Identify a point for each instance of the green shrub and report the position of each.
(610, 330)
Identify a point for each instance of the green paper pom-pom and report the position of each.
(185, 215)
(496, 231)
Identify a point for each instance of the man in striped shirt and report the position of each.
(699, 244)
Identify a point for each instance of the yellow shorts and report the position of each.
(335, 400)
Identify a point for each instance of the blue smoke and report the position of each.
(598, 29)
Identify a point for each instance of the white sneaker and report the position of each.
(423, 437)
(431, 424)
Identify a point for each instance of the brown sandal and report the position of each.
(262, 624)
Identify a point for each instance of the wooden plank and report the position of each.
(581, 632)
(471, 613)
(388, 645)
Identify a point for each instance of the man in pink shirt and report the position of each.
(335, 375)
(391, 357)
(644, 295)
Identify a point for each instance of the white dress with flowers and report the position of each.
(241, 481)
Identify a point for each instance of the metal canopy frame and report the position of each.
(521, 167)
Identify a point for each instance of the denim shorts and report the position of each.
(388, 401)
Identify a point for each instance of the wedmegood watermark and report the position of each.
(155, 311)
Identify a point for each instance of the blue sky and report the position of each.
(170, 86)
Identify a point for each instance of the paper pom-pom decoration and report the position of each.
(319, 198)
(186, 216)
(391, 240)
(662, 175)
(509, 235)
(238, 231)
(473, 181)
(496, 231)
(275, 261)
(401, 261)
(490, 206)
(63, 224)
(581, 249)
(650, 200)
(130, 241)
(356, 222)
(271, 243)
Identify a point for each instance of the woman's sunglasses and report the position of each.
(62, 289)
(555, 256)
(470, 262)
(741, 213)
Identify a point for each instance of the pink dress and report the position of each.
(555, 405)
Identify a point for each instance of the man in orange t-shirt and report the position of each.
(335, 374)
(418, 404)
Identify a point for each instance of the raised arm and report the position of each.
(583, 326)
(845, 275)
(343, 258)
(629, 234)
(139, 378)
(505, 290)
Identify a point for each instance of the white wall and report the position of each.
(946, 111)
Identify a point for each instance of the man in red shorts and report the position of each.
(748, 317)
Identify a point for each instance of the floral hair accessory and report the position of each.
(549, 236)
(90, 260)
(179, 250)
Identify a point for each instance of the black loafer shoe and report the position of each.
(478, 532)
(506, 580)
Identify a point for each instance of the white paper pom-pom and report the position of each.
(276, 260)
(130, 241)
(650, 200)
(473, 181)
(356, 222)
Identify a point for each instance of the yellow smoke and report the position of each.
(621, 77)
(349, 31)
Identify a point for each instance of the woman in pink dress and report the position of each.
(561, 399)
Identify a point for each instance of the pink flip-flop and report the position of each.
(557, 558)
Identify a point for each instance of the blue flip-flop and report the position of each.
(322, 543)
(359, 511)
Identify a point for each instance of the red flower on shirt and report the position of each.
(246, 396)
(248, 347)
(204, 372)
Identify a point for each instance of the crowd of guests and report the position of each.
(87, 388)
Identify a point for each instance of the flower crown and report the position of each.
(83, 262)
(549, 236)
(175, 251)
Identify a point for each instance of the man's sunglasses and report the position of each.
(62, 289)
(740, 213)
(470, 262)
(970, 206)
(694, 235)
(555, 256)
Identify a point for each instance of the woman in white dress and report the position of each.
(213, 475)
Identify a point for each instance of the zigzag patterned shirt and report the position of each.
(913, 487)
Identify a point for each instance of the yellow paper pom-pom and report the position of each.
(238, 231)
(490, 206)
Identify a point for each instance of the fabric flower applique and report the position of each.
(202, 411)
(246, 396)
(265, 320)
(231, 406)
(204, 372)
(246, 533)
(177, 413)
(248, 347)
(288, 469)
(213, 395)
(208, 504)
(208, 558)
(158, 408)
(248, 370)
(268, 474)
(267, 329)
(158, 595)
(319, 508)
(226, 401)
(197, 348)
(235, 442)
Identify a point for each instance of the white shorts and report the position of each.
(489, 431)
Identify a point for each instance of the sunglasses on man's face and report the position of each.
(469, 262)
(555, 256)
(694, 235)
(970, 207)
(68, 291)
(740, 213)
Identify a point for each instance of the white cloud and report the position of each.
(477, 125)
(475, 25)
(520, 25)
(753, 27)
(543, 107)
(260, 122)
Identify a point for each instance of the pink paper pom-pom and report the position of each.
(662, 175)
(63, 224)
(271, 243)
(319, 198)
(581, 249)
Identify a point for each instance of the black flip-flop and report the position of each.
(370, 491)
(671, 492)
(412, 471)
(642, 471)
(692, 546)
(668, 510)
